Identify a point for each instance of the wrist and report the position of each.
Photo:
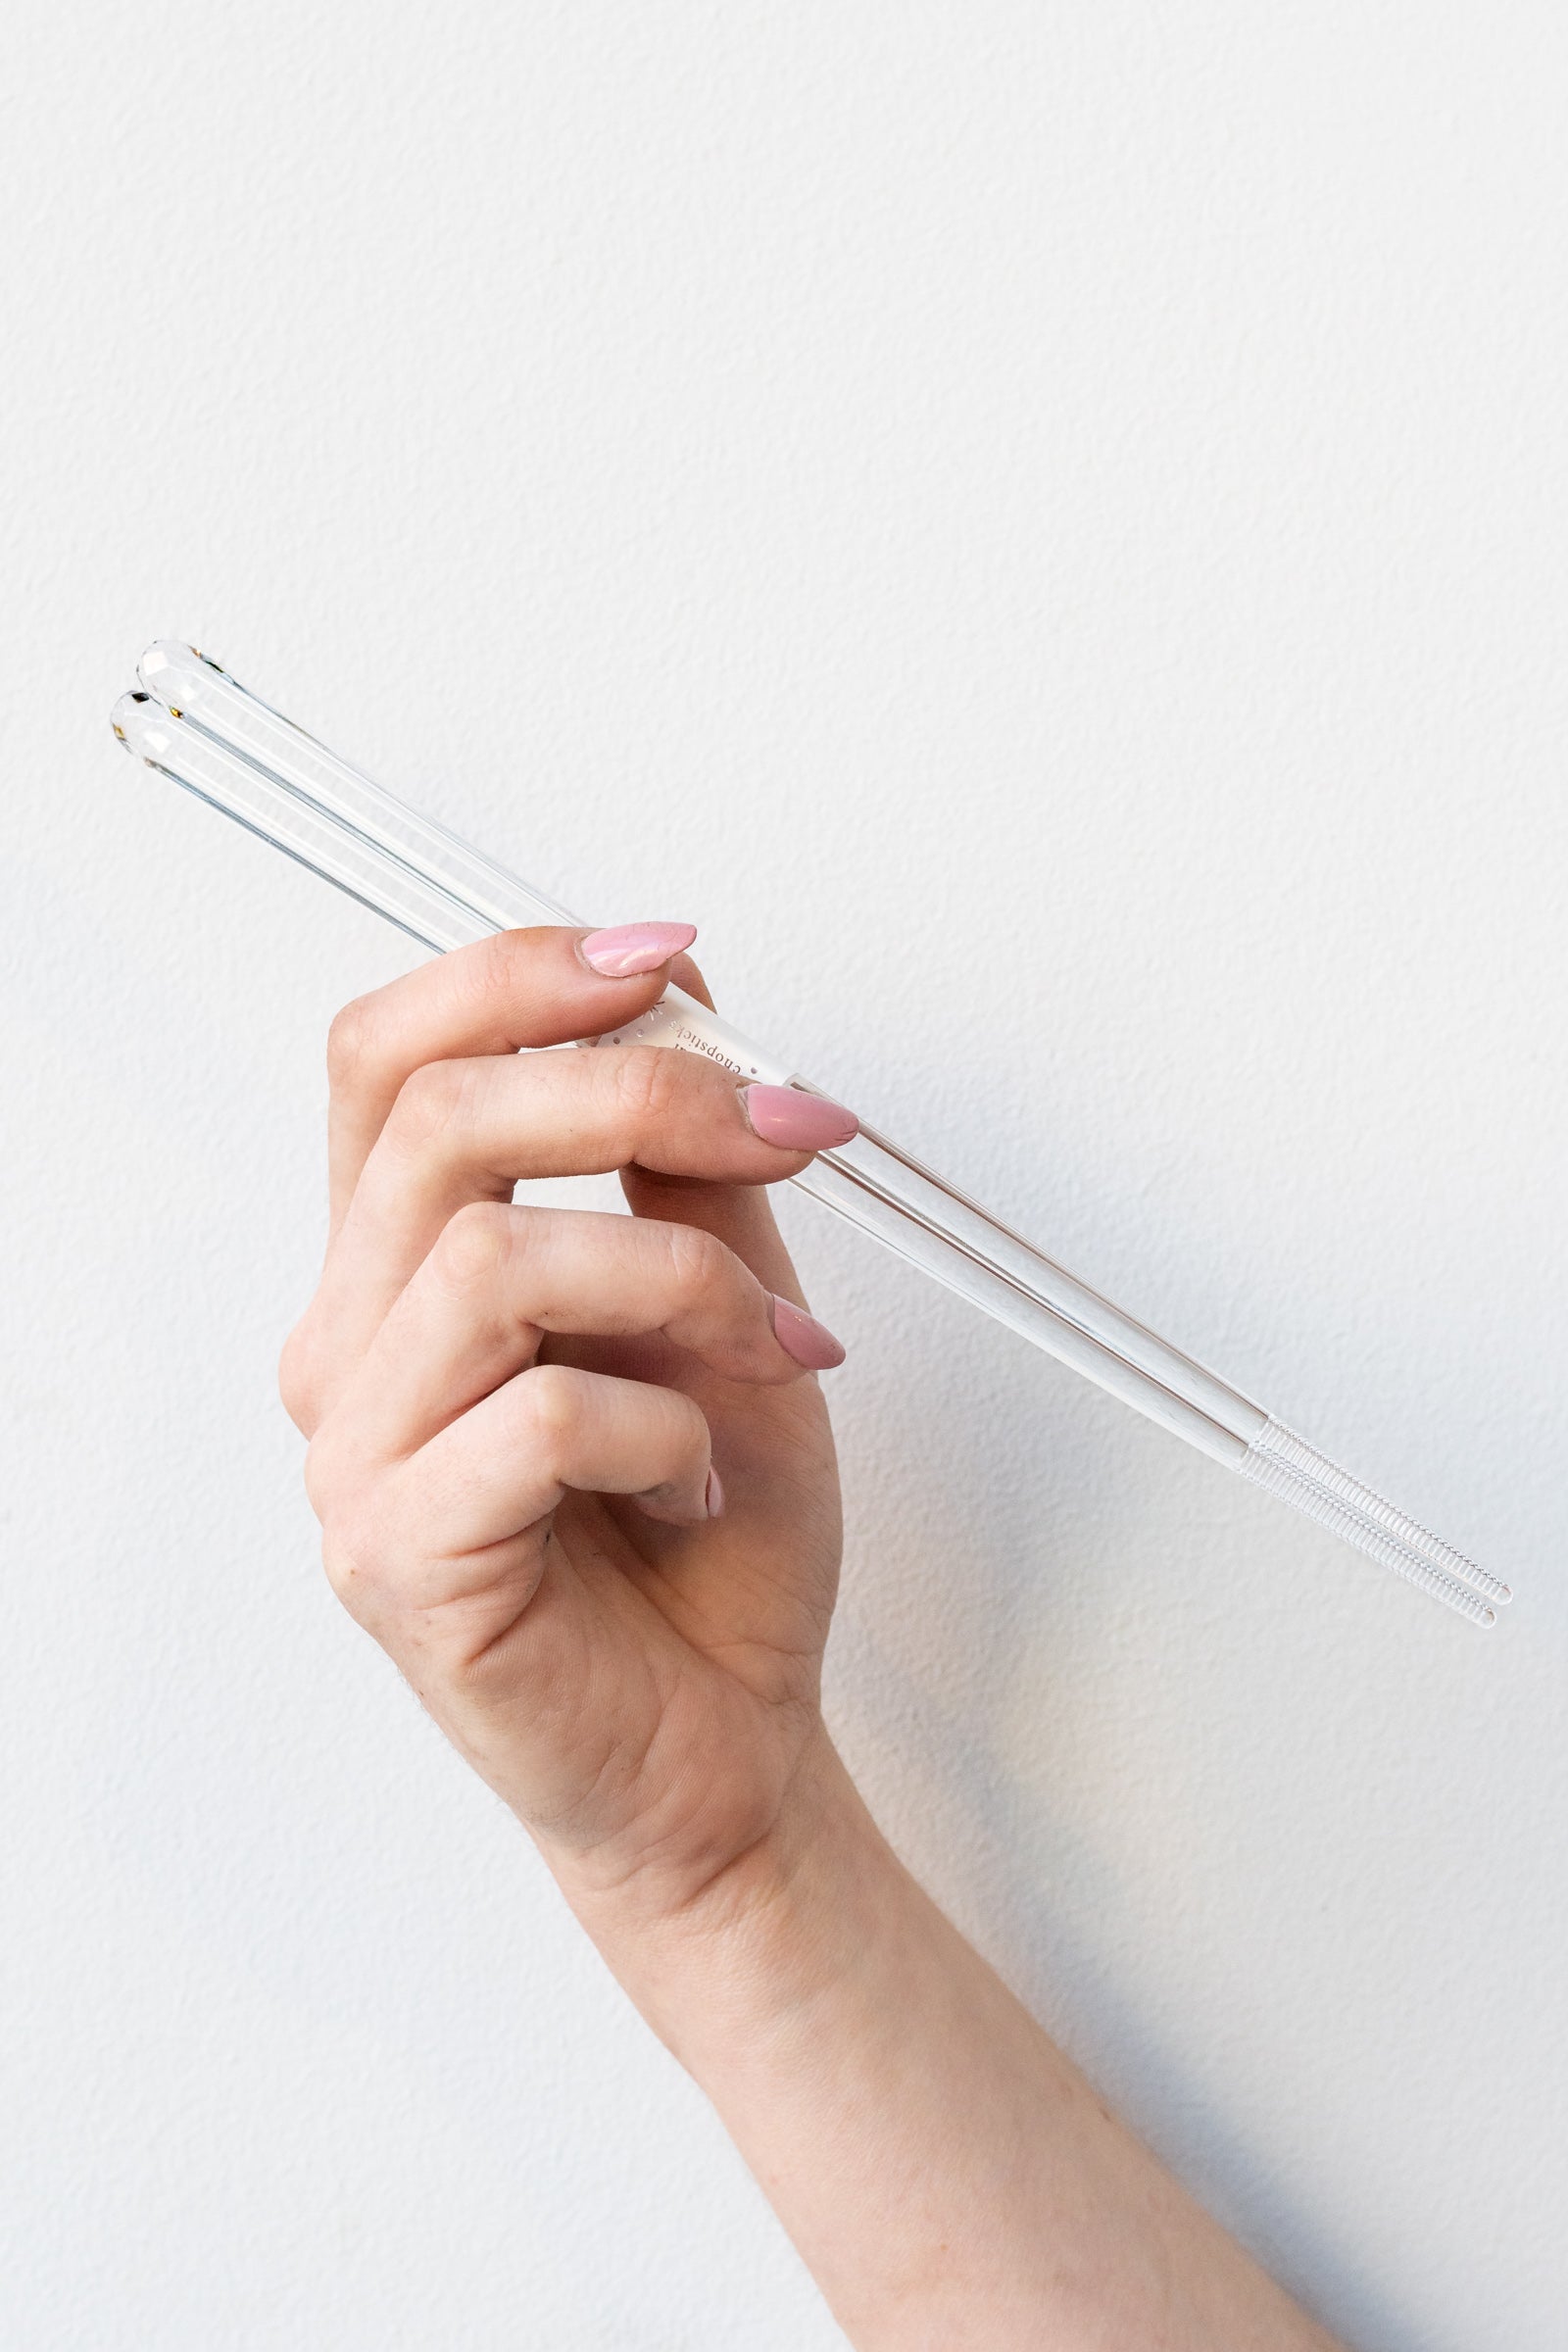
(745, 1961)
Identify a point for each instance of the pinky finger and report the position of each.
(503, 1466)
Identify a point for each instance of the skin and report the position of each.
(512, 1415)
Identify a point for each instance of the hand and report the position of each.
(573, 1475)
(570, 1468)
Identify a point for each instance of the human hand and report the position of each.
(569, 1467)
(515, 1418)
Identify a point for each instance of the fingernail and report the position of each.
(628, 949)
(716, 1494)
(801, 1336)
(797, 1121)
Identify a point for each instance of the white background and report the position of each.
(1044, 529)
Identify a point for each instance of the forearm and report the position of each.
(949, 2178)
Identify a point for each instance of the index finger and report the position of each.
(544, 987)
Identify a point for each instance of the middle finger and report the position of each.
(469, 1130)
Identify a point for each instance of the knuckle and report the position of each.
(350, 1043)
(649, 1082)
(300, 1381)
(495, 969)
(430, 1102)
(473, 1247)
(320, 1473)
(360, 1552)
(698, 1261)
(339, 1480)
(352, 1558)
(550, 1397)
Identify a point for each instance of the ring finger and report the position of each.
(500, 1277)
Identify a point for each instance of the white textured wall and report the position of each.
(1043, 528)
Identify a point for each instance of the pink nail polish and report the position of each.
(801, 1336)
(797, 1121)
(716, 1494)
(628, 949)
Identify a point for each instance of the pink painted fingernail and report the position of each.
(628, 949)
(801, 1336)
(716, 1494)
(797, 1121)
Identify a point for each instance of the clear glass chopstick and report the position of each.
(196, 724)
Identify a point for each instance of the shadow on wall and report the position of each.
(1020, 1676)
